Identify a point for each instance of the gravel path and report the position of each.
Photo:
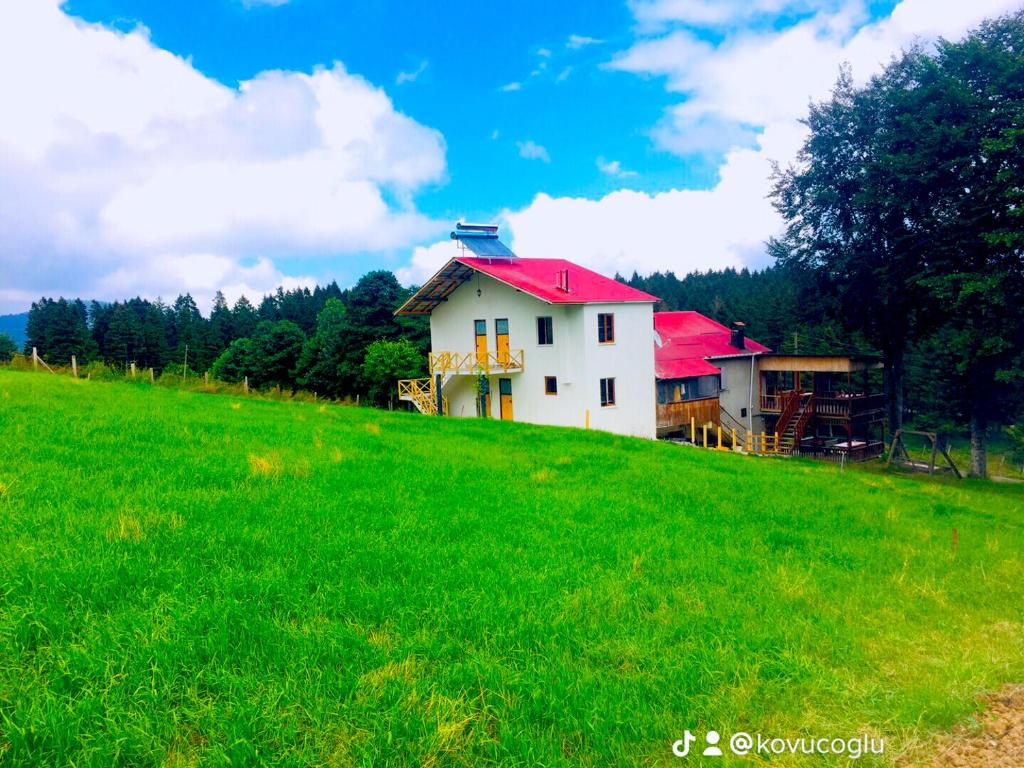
(998, 744)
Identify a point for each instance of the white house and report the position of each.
(537, 340)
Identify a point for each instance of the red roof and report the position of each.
(687, 340)
(540, 278)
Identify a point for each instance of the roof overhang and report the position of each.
(776, 361)
(437, 289)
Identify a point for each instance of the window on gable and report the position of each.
(605, 328)
(607, 392)
(545, 331)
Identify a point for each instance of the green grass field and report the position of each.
(192, 579)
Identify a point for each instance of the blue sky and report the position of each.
(153, 147)
(461, 59)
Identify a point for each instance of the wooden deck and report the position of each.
(673, 417)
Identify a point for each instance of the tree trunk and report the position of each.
(979, 421)
(894, 388)
(979, 451)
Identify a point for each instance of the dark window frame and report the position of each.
(551, 385)
(545, 331)
(608, 392)
(605, 327)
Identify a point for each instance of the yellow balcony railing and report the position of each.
(473, 363)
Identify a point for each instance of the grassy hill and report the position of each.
(190, 579)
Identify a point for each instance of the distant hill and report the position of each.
(14, 326)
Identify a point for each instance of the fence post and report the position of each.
(705, 434)
(35, 359)
(74, 366)
(206, 377)
(749, 443)
(734, 438)
(719, 434)
(776, 442)
(133, 370)
(693, 430)
(586, 419)
(764, 442)
(152, 377)
(245, 385)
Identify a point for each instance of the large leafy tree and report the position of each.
(275, 350)
(385, 363)
(848, 220)
(319, 367)
(972, 157)
(906, 199)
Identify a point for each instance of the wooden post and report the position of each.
(586, 419)
(206, 377)
(764, 442)
(152, 376)
(693, 430)
(35, 359)
(74, 366)
(749, 442)
(719, 433)
(776, 442)
(734, 438)
(133, 370)
(245, 385)
(705, 434)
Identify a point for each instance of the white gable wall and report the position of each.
(575, 359)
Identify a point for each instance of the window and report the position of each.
(545, 331)
(550, 385)
(605, 328)
(501, 326)
(607, 392)
(480, 327)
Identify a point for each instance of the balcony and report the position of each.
(832, 406)
(473, 364)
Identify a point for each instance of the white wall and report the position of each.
(736, 393)
(575, 358)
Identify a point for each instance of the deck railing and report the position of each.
(472, 363)
(836, 406)
(420, 392)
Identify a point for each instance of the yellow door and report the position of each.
(480, 330)
(505, 391)
(501, 332)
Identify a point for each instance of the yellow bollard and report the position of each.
(776, 442)
(734, 438)
(586, 418)
(705, 435)
(764, 443)
(719, 445)
(693, 430)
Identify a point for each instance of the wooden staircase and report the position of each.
(797, 410)
(420, 392)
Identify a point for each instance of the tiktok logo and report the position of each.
(681, 747)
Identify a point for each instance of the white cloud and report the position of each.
(412, 75)
(743, 96)
(614, 168)
(681, 230)
(714, 13)
(116, 155)
(564, 74)
(531, 150)
(544, 52)
(510, 87)
(426, 260)
(575, 42)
